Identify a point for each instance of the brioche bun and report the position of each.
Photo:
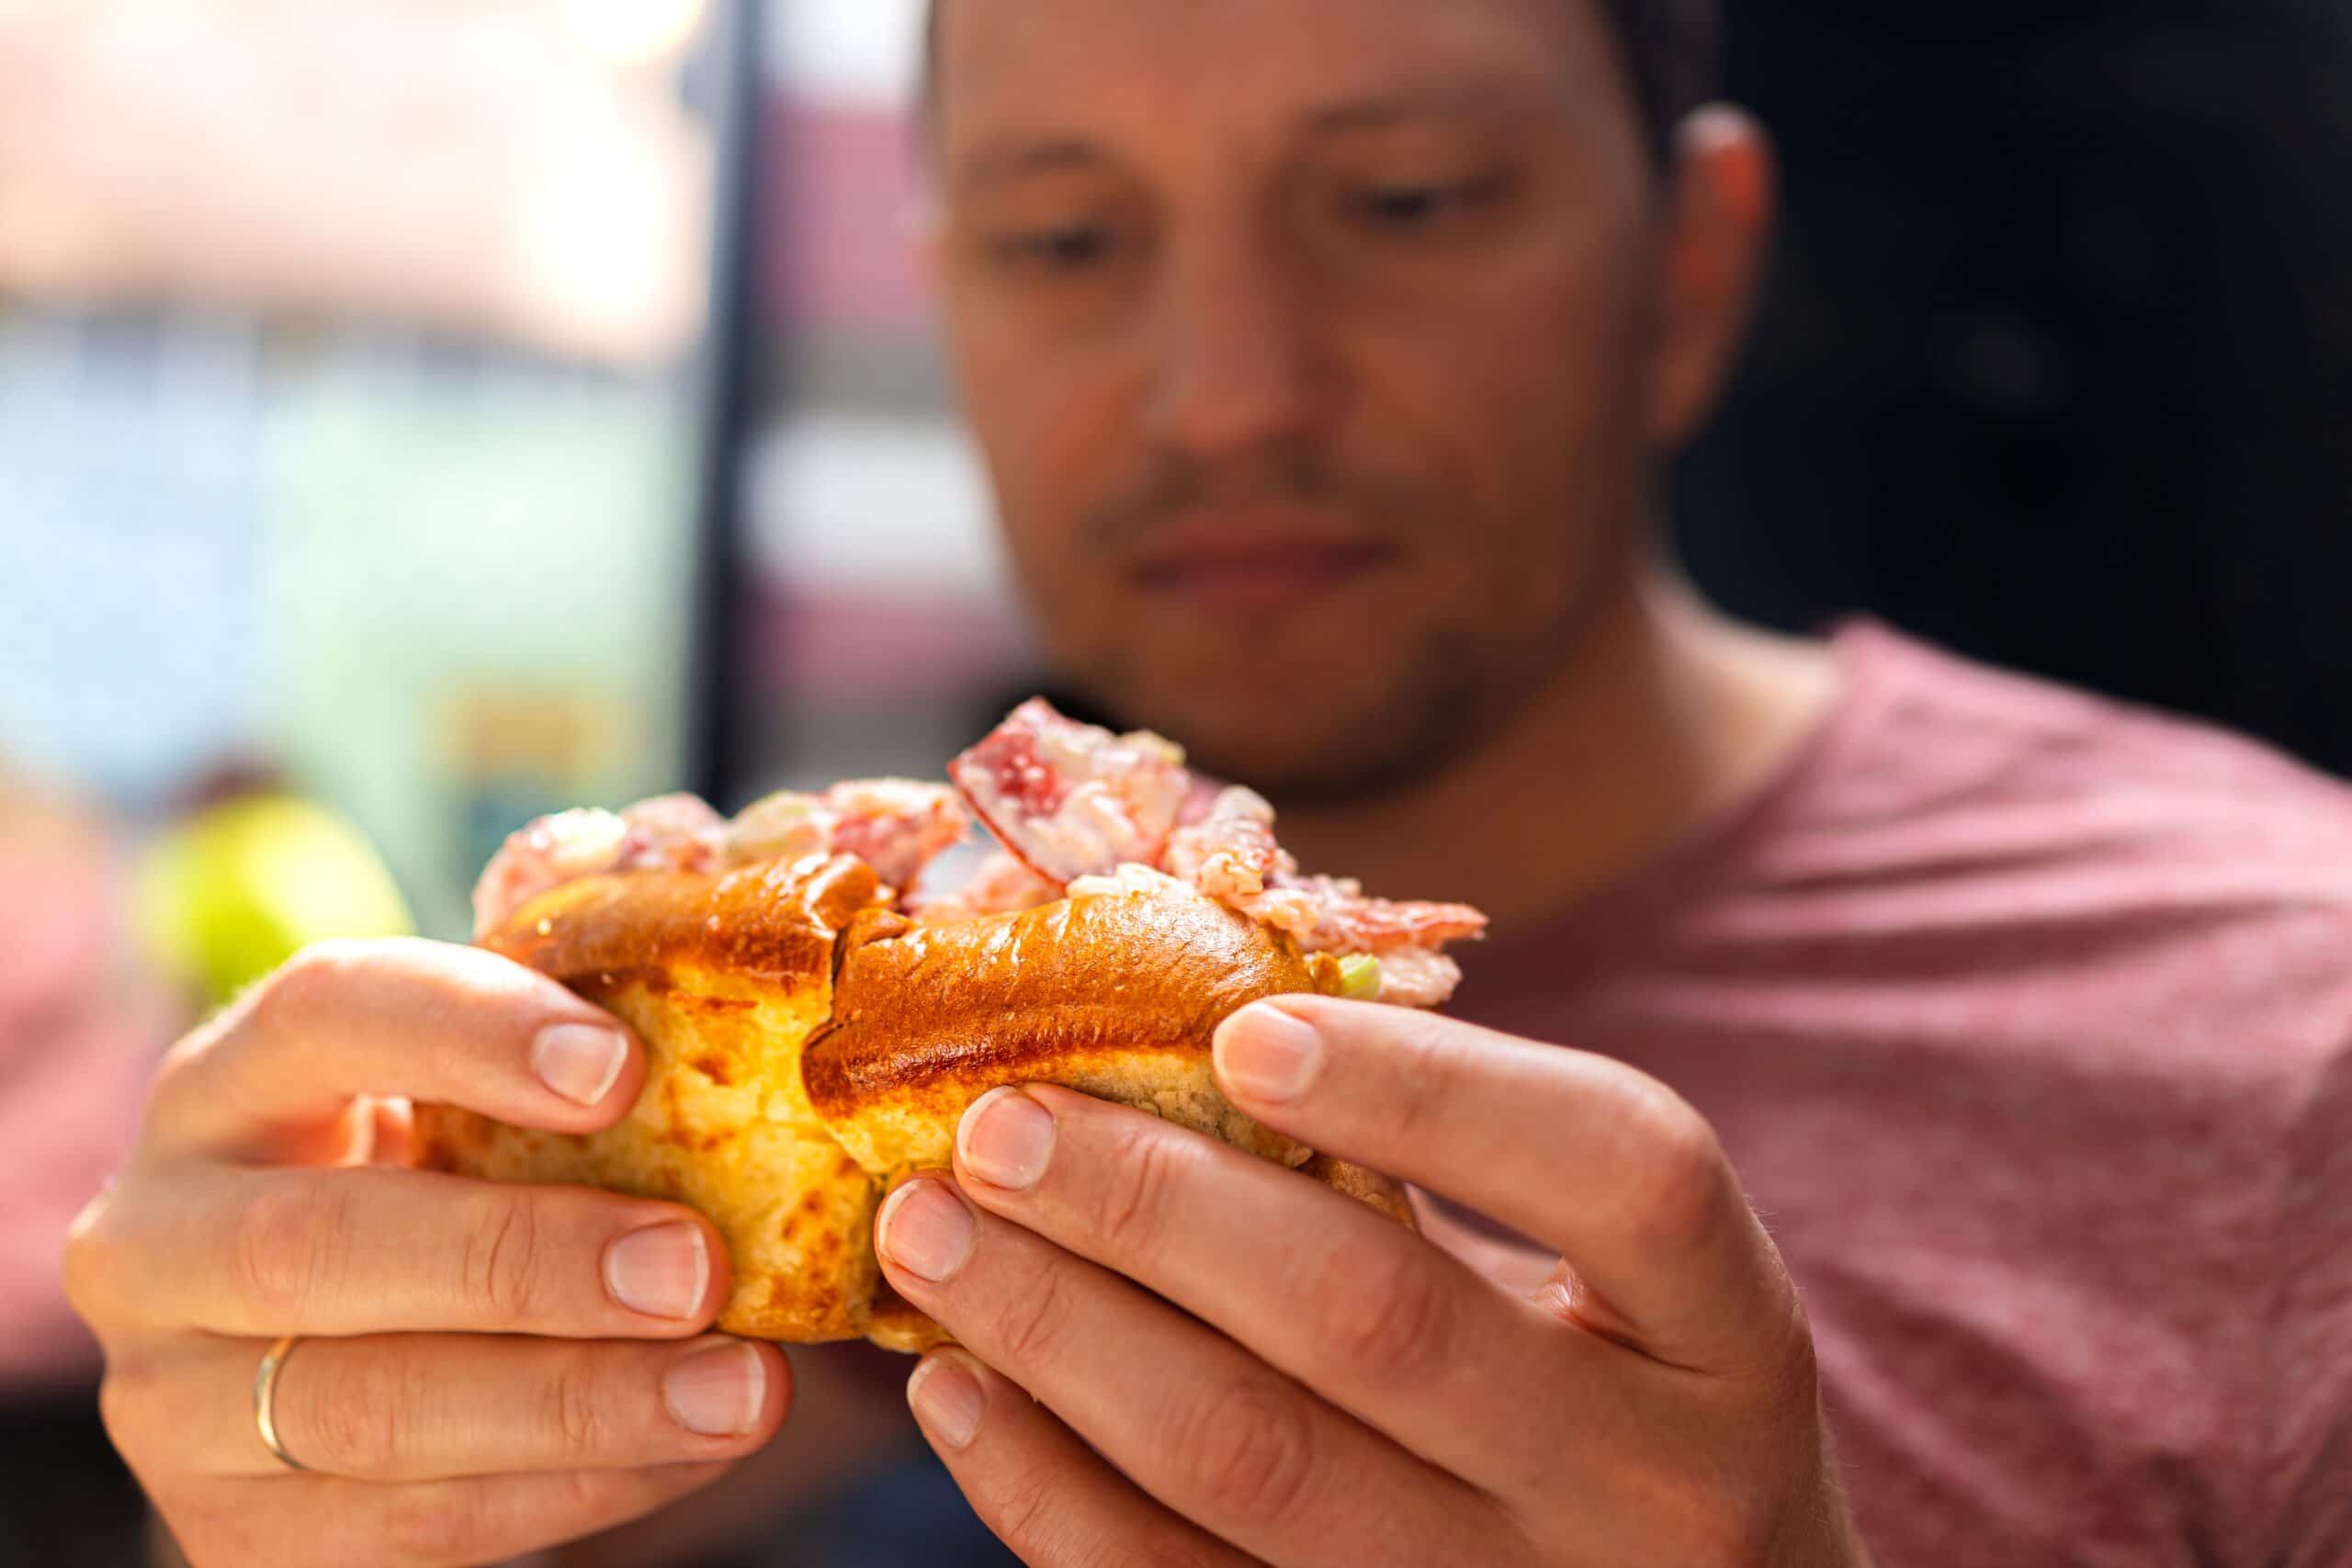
(808, 1047)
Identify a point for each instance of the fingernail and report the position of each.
(661, 1271)
(580, 1061)
(926, 1230)
(717, 1392)
(947, 1400)
(1006, 1138)
(1267, 1054)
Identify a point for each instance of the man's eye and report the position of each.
(1069, 249)
(1406, 208)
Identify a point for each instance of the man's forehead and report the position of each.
(1303, 64)
(1301, 45)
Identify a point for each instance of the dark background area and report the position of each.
(2056, 366)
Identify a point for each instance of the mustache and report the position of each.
(1176, 486)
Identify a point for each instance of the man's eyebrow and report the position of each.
(1007, 158)
(1445, 102)
(994, 162)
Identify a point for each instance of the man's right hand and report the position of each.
(485, 1370)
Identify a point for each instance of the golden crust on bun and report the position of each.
(808, 1045)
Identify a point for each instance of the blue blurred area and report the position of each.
(445, 587)
(130, 465)
(909, 1515)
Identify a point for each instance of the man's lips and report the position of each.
(1255, 568)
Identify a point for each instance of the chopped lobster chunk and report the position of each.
(999, 884)
(1073, 808)
(543, 856)
(1348, 921)
(1416, 977)
(671, 832)
(1133, 881)
(785, 826)
(1404, 938)
(1070, 799)
(1230, 854)
(895, 825)
(1231, 848)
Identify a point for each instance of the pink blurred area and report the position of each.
(879, 648)
(80, 1029)
(840, 189)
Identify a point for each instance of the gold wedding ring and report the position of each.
(265, 1401)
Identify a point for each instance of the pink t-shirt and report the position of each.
(2027, 1020)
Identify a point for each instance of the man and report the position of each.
(1325, 355)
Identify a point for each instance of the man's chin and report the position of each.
(1310, 743)
(1298, 779)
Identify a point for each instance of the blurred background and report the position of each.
(418, 414)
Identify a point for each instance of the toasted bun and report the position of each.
(808, 1048)
(1116, 994)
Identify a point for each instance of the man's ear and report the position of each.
(1719, 221)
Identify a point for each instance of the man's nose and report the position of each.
(1239, 362)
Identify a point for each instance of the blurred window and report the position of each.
(349, 402)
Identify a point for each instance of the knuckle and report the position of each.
(503, 1263)
(1250, 1452)
(1782, 1384)
(352, 1415)
(1423, 1059)
(576, 1413)
(172, 1069)
(1035, 1325)
(295, 987)
(180, 1077)
(292, 1241)
(1799, 1362)
(1392, 1311)
(124, 1398)
(1723, 1529)
(1673, 1180)
(1165, 1552)
(1028, 1510)
(1030, 1514)
(118, 1405)
(1149, 1168)
(438, 1524)
(92, 1258)
(482, 1517)
(209, 1528)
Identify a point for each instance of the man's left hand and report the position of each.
(1174, 1352)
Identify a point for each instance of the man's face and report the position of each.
(1307, 342)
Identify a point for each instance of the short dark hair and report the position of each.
(1673, 52)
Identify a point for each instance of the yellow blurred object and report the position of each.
(229, 895)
